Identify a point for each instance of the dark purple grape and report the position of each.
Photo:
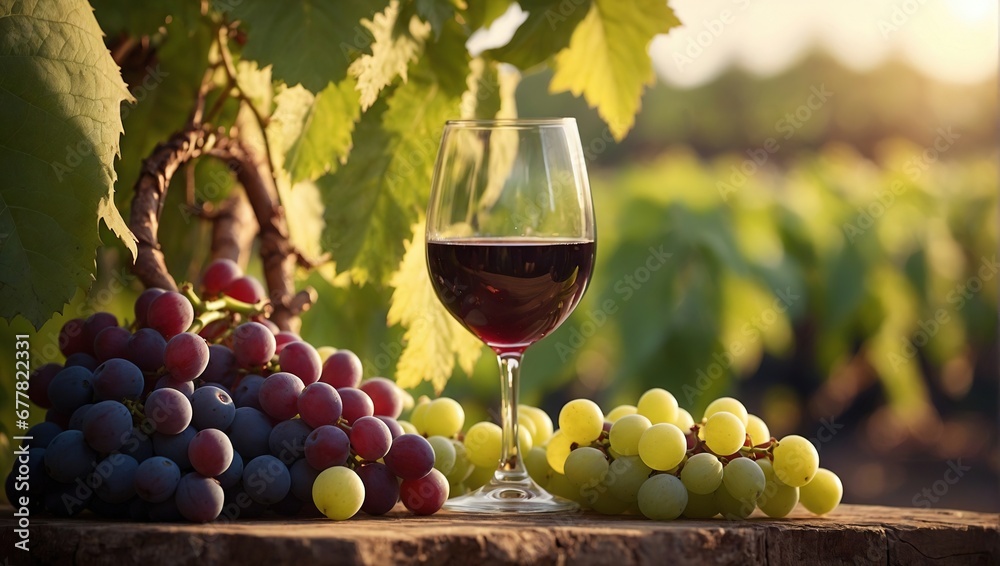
(167, 382)
(385, 396)
(210, 452)
(114, 478)
(247, 393)
(253, 344)
(58, 417)
(303, 476)
(381, 488)
(107, 426)
(287, 440)
(199, 499)
(145, 349)
(117, 380)
(72, 338)
(170, 314)
(301, 359)
(112, 342)
(76, 420)
(175, 446)
(233, 474)
(168, 411)
(357, 404)
(246, 289)
(156, 479)
(269, 325)
(68, 457)
(38, 384)
(165, 512)
(326, 447)
(71, 389)
(67, 499)
(279, 395)
(41, 434)
(394, 427)
(221, 367)
(370, 438)
(342, 369)
(142, 304)
(218, 275)
(82, 360)
(212, 408)
(320, 404)
(97, 322)
(290, 506)
(424, 495)
(186, 356)
(250, 432)
(139, 446)
(266, 480)
(410, 456)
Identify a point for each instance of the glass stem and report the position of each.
(511, 465)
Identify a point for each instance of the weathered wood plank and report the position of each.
(851, 535)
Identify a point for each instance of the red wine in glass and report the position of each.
(510, 292)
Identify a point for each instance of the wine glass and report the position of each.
(510, 249)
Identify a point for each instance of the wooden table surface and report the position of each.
(851, 535)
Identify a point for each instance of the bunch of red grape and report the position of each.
(202, 409)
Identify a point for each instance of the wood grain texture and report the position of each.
(851, 535)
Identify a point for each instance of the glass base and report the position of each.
(523, 496)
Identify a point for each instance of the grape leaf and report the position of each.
(547, 31)
(490, 92)
(373, 199)
(309, 42)
(446, 60)
(435, 13)
(396, 45)
(482, 13)
(324, 138)
(607, 60)
(434, 339)
(60, 97)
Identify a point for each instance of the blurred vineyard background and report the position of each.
(821, 243)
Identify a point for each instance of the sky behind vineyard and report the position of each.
(951, 40)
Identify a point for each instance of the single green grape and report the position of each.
(730, 507)
(557, 450)
(541, 420)
(823, 493)
(408, 427)
(581, 420)
(605, 503)
(757, 429)
(586, 466)
(662, 497)
(662, 447)
(684, 421)
(727, 405)
(626, 432)
(444, 454)
(482, 444)
(744, 480)
(443, 417)
(702, 473)
(795, 461)
(619, 412)
(479, 476)
(625, 476)
(418, 416)
(463, 467)
(724, 433)
(778, 499)
(537, 464)
(338, 493)
(658, 405)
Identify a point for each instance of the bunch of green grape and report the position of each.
(654, 459)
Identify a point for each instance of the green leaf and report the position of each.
(446, 60)
(324, 139)
(482, 13)
(309, 42)
(60, 97)
(397, 44)
(435, 12)
(373, 199)
(547, 31)
(607, 60)
(139, 18)
(434, 339)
